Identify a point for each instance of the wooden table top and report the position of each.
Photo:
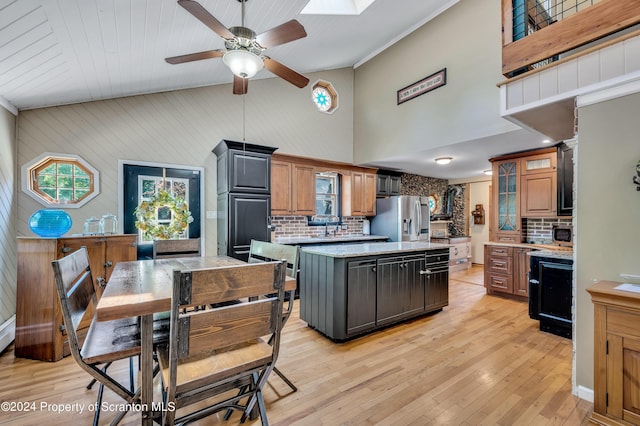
(144, 287)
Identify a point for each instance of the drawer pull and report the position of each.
(427, 272)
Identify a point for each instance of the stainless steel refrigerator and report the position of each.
(401, 218)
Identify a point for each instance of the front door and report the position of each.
(141, 182)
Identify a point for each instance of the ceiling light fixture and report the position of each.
(488, 172)
(243, 63)
(443, 160)
(546, 141)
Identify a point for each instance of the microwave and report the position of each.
(562, 234)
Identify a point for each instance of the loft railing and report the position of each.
(537, 32)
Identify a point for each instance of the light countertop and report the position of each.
(372, 249)
(306, 239)
(554, 254)
(532, 246)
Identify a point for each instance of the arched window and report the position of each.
(63, 180)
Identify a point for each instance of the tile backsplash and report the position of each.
(297, 226)
(538, 230)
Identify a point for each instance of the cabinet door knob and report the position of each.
(373, 269)
(108, 264)
(66, 249)
(426, 272)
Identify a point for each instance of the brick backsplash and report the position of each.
(297, 226)
(539, 230)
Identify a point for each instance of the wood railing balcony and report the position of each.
(538, 32)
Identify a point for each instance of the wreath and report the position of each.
(147, 217)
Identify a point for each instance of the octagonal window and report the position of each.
(63, 180)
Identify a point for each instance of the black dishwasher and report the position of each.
(551, 293)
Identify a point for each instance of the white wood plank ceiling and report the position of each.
(55, 52)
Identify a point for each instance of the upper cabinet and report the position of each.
(293, 186)
(525, 185)
(538, 185)
(506, 213)
(387, 183)
(293, 189)
(243, 167)
(565, 180)
(360, 197)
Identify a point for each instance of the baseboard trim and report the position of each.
(586, 394)
(7, 333)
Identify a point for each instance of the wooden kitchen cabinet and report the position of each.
(293, 189)
(506, 196)
(39, 326)
(616, 355)
(387, 184)
(360, 191)
(523, 185)
(538, 186)
(506, 270)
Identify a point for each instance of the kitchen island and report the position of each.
(349, 290)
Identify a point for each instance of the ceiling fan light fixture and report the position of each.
(243, 63)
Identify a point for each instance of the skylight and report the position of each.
(336, 7)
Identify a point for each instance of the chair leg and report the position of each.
(93, 382)
(285, 379)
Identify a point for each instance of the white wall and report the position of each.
(466, 40)
(608, 205)
(8, 247)
(181, 128)
(479, 194)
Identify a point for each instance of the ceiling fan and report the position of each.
(243, 52)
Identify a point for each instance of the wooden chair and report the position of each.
(216, 350)
(105, 342)
(164, 249)
(261, 251)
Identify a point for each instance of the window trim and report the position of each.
(35, 164)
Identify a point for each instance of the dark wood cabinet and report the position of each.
(39, 326)
(387, 184)
(243, 167)
(244, 199)
(344, 298)
(241, 218)
(361, 296)
(565, 180)
(400, 288)
(436, 286)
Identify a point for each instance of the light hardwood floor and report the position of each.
(481, 361)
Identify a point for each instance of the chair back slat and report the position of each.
(249, 317)
(220, 328)
(75, 287)
(231, 283)
(261, 251)
(165, 249)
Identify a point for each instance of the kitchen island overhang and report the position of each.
(350, 290)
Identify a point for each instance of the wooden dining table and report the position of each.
(142, 288)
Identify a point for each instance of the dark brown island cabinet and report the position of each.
(350, 290)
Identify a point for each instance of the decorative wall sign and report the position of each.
(423, 86)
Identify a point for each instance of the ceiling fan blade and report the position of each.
(240, 85)
(281, 34)
(206, 18)
(208, 54)
(285, 72)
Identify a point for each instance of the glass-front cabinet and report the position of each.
(506, 196)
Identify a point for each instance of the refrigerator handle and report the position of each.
(419, 216)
